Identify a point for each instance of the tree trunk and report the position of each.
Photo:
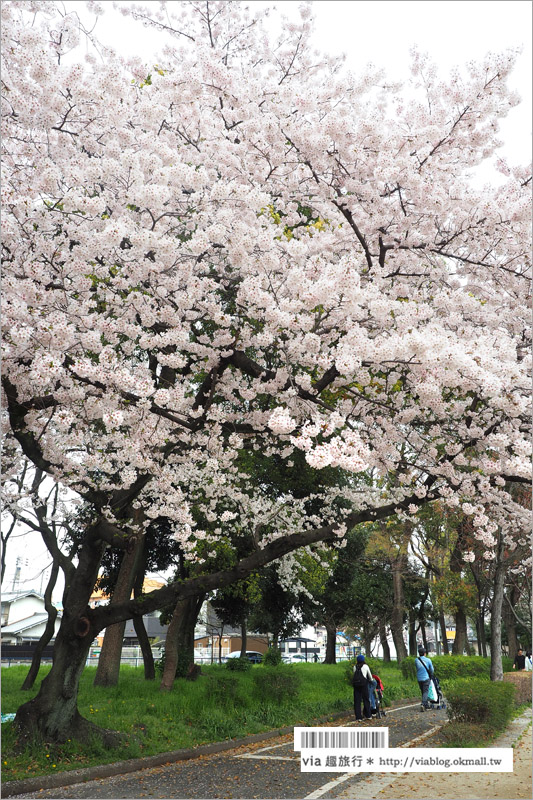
(424, 636)
(510, 599)
(186, 635)
(48, 632)
(331, 638)
(484, 648)
(396, 621)
(442, 623)
(53, 714)
(108, 668)
(413, 649)
(243, 638)
(171, 647)
(220, 644)
(460, 641)
(422, 615)
(138, 622)
(384, 643)
(146, 649)
(179, 646)
(367, 641)
(496, 666)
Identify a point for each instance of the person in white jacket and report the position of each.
(529, 662)
(361, 680)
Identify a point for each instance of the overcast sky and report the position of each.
(378, 31)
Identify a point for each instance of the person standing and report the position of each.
(424, 674)
(361, 681)
(529, 661)
(519, 660)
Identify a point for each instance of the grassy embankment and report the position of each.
(219, 705)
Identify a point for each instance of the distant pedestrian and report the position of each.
(361, 680)
(529, 661)
(424, 674)
(519, 660)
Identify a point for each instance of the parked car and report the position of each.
(296, 658)
(252, 655)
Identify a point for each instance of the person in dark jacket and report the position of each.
(361, 680)
(519, 660)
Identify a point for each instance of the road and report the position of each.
(267, 770)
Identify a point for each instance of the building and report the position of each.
(24, 617)
(151, 621)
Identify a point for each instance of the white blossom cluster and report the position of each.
(256, 251)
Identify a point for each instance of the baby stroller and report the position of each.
(375, 691)
(435, 695)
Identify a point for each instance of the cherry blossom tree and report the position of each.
(247, 247)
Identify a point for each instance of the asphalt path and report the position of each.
(267, 770)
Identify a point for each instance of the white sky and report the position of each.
(378, 31)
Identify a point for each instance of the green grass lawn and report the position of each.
(219, 705)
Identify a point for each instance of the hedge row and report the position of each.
(476, 700)
(452, 667)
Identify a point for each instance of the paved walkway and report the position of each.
(267, 770)
(516, 785)
(271, 769)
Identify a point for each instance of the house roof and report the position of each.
(9, 597)
(26, 624)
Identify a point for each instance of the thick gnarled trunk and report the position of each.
(53, 713)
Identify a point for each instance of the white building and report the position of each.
(24, 617)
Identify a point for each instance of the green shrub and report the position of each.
(466, 734)
(272, 657)
(507, 664)
(450, 667)
(225, 690)
(476, 700)
(239, 664)
(276, 685)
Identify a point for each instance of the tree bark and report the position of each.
(48, 632)
(510, 599)
(243, 638)
(220, 644)
(384, 643)
(367, 641)
(396, 621)
(442, 623)
(331, 638)
(496, 666)
(179, 646)
(146, 648)
(413, 649)
(138, 622)
(460, 641)
(108, 668)
(484, 647)
(53, 713)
